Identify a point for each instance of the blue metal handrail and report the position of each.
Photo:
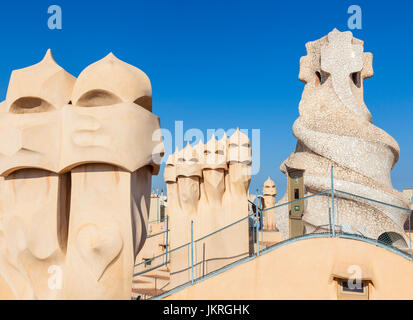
(297, 200)
(157, 234)
(372, 200)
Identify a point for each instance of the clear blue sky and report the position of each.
(223, 64)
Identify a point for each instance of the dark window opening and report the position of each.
(148, 262)
(408, 225)
(296, 194)
(356, 77)
(318, 78)
(357, 287)
(321, 77)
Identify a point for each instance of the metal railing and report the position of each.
(194, 263)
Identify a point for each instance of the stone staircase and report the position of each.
(153, 260)
(152, 283)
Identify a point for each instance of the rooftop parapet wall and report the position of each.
(276, 275)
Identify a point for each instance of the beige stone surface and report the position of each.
(408, 193)
(42, 87)
(152, 277)
(308, 269)
(76, 161)
(335, 128)
(100, 129)
(208, 184)
(269, 192)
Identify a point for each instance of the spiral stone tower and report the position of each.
(335, 129)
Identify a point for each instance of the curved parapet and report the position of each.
(323, 260)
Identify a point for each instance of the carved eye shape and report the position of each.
(356, 77)
(220, 152)
(98, 98)
(31, 105)
(233, 145)
(145, 102)
(321, 78)
(192, 161)
(318, 78)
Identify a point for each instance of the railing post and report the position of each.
(332, 201)
(262, 227)
(257, 234)
(166, 242)
(329, 221)
(133, 287)
(337, 217)
(192, 251)
(410, 234)
(157, 209)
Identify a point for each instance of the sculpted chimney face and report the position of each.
(269, 188)
(239, 162)
(171, 183)
(86, 140)
(210, 193)
(269, 191)
(189, 173)
(170, 169)
(337, 63)
(215, 165)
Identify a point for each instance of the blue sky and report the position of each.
(225, 64)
